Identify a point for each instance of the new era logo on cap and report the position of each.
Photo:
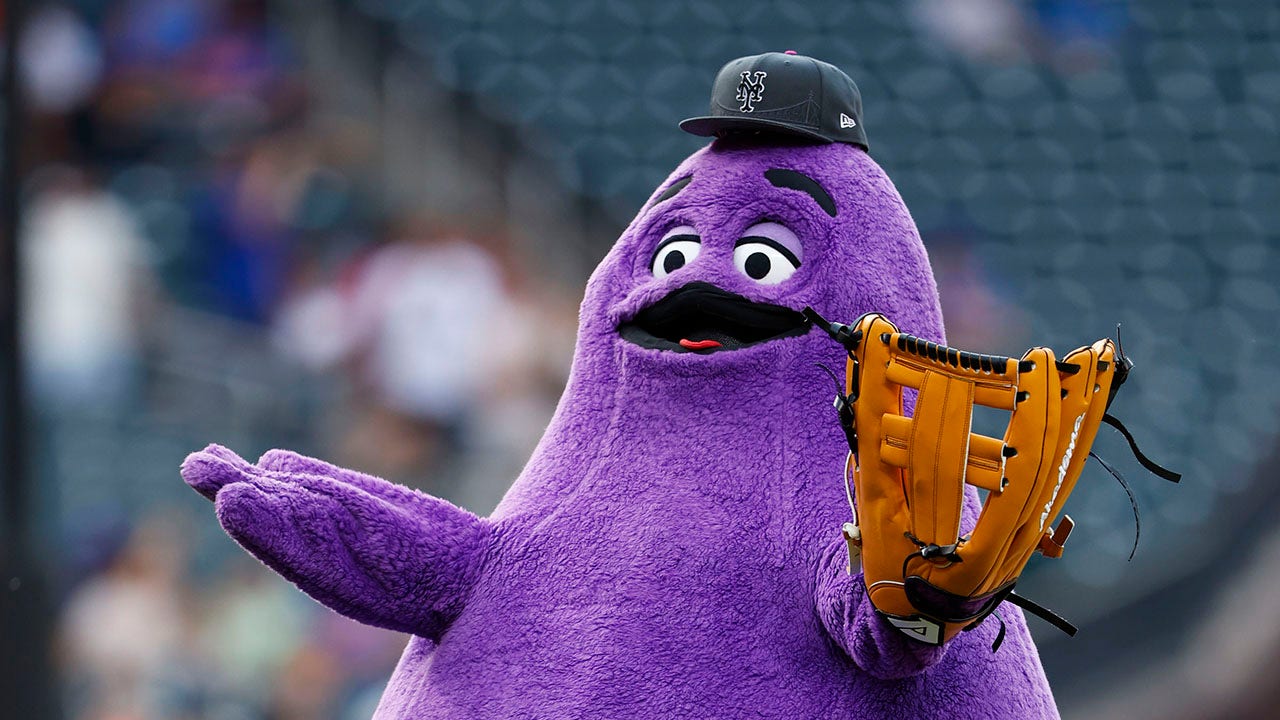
(804, 98)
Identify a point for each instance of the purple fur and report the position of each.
(672, 548)
(373, 551)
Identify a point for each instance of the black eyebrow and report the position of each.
(674, 190)
(786, 251)
(793, 180)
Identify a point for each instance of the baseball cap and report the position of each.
(783, 93)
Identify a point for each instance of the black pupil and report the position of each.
(673, 261)
(758, 265)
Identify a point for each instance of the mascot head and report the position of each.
(692, 344)
(785, 209)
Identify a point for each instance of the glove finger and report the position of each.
(1033, 433)
(227, 454)
(314, 532)
(281, 460)
(208, 471)
(286, 465)
(1083, 394)
(939, 445)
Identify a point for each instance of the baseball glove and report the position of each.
(909, 470)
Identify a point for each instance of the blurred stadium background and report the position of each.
(263, 222)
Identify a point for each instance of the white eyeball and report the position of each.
(764, 256)
(678, 248)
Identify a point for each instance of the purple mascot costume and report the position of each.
(672, 549)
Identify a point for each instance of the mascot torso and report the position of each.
(661, 554)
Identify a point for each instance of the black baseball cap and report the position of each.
(783, 93)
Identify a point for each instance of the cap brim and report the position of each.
(716, 126)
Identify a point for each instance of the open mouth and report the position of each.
(700, 317)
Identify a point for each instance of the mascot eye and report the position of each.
(764, 259)
(679, 247)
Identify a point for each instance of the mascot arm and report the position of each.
(875, 646)
(374, 551)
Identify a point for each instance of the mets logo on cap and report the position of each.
(750, 89)
(808, 99)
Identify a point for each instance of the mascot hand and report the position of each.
(374, 551)
(851, 620)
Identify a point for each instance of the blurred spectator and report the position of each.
(243, 55)
(421, 308)
(241, 218)
(141, 640)
(88, 281)
(125, 631)
(250, 627)
(1082, 32)
(308, 687)
(1072, 34)
(415, 321)
(980, 311)
(153, 35)
(985, 30)
(60, 59)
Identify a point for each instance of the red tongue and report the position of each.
(699, 344)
